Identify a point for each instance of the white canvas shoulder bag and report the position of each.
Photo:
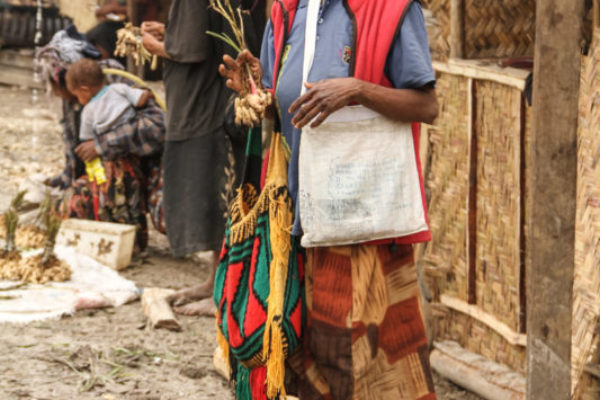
(358, 178)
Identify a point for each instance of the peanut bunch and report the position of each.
(129, 42)
(32, 270)
(252, 103)
(251, 109)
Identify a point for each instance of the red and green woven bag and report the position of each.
(259, 285)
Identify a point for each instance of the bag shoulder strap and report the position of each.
(310, 39)
(253, 162)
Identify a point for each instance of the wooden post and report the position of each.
(553, 174)
(456, 28)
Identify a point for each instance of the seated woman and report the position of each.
(130, 153)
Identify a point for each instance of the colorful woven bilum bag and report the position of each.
(259, 285)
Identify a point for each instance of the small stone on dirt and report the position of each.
(193, 372)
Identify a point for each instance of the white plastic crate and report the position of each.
(108, 243)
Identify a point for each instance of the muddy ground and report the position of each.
(107, 354)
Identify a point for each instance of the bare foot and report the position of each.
(197, 292)
(202, 308)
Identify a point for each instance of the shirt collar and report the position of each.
(100, 93)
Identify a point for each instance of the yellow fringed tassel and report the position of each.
(276, 363)
(280, 218)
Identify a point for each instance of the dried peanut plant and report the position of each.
(253, 100)
(42, 268)
(129, 42)
(11, 222)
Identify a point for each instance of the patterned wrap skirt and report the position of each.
(365, 336)
(121, 199)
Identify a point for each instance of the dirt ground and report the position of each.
(106, 354)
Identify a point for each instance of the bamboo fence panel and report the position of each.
(586, 287)
(498, 126)
(438, 28)
(498, 28)
(475, 180)
(489, 28)
(447, 182)
(477, 337)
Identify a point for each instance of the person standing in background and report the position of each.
(194, 159)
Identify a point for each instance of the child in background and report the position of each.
(105, 106)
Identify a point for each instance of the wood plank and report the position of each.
(513, 337)
(523, 209)
(472, 199)
(552, 174)
(484, 70)
(488, 379)
(158, 310)
(457, 31)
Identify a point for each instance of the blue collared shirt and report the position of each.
(408, 65)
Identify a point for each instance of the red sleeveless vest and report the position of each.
(376, 23)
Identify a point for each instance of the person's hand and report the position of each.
(322, 99)
(86, 151)
(154, 46)
(233, 71)
(156, 29)
(144, 99)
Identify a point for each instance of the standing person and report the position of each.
(365, 336)
(195, 150)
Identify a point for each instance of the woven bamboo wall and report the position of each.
(490, 28)
(498, 28)
(438, 27)
(447, 180)
(586, 288)
(498, 126)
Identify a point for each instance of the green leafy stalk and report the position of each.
(11, 220)
(52, 227)
(49, 218)
(230, 15)
(236, 22)
(226, 39)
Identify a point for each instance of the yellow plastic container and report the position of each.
(95, 171)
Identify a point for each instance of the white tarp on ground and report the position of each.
(92, 285)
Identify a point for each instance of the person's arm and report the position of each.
(86, 129)
(327, 96)
(135, 96)
(144, 99)
(143, 137)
